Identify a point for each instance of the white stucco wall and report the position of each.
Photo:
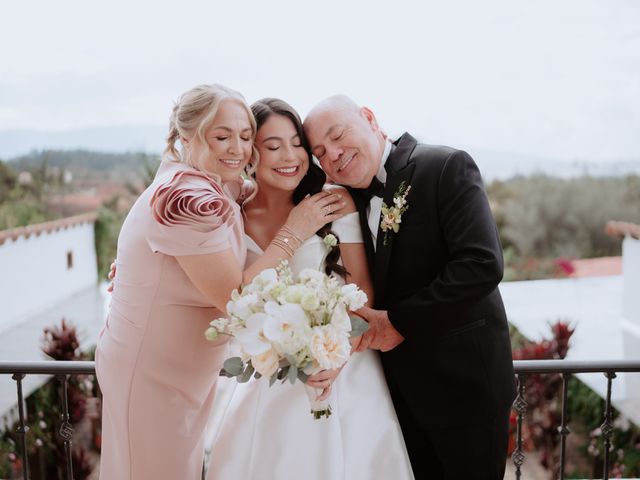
(631, 273)
(34, 273)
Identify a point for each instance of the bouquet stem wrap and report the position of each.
(319, 408)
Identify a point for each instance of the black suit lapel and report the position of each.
(399, 170)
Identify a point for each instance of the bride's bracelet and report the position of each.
(287, 230)
(286, 240)
(283, 246)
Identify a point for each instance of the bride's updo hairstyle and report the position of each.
(312, 182)
(192, 115)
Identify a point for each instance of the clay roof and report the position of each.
(622, 229)
(596, 267)
(46, 227)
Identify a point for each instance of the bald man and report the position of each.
(436, 262)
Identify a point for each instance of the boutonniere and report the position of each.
(391, 217)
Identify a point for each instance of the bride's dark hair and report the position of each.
(312, 182)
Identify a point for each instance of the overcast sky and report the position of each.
(551, 78)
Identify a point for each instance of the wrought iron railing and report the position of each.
(567, 368)
(523, 368)
(60, 370)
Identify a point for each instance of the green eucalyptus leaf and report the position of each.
(358, 326)
(303, 377)
(282, 374)
(246, 375)
(273, 378)
(234, 366)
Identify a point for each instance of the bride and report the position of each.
(268, 433)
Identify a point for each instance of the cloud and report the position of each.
(546, 78)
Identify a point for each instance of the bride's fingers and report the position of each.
(325, 394)
(317, 382)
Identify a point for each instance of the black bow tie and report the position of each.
(375, 189)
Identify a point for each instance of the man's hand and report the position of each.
(381, 334)
(111, 275)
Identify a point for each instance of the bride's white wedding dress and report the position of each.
(268, 432)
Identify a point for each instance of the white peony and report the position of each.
(340, 319)
(330, 347)
(266, 363)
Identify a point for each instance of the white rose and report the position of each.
(330, 347)
(293, 294)
(354, 298)
(266, 363)
(330, 240)
(310, 300)
(263, 282)
(311, 275)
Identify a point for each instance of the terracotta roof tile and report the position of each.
(622, 229)
(596, 267)
(46, 227)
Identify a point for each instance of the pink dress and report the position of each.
(157, 372)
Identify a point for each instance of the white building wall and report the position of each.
(631, 273)
(34, 272)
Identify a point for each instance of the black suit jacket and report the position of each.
(438, 279)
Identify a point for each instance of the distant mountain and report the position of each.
(138, 138)
(103, 147)
(79, 160)
(504, 165)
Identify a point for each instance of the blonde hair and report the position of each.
(193, 113)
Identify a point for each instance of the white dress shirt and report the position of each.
(375, 204)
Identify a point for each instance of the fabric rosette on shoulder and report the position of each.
(193, 215)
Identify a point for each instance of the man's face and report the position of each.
(348, 144)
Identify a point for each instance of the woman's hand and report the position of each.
(312, 213)
(111, 275)
(324, 379)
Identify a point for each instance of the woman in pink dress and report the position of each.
(181, 252)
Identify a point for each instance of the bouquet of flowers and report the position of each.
(290, 328)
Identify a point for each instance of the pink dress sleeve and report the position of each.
(191, 216)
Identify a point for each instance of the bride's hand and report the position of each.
(314, 212)
(324, 379)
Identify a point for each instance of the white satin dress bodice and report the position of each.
(265, 433)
